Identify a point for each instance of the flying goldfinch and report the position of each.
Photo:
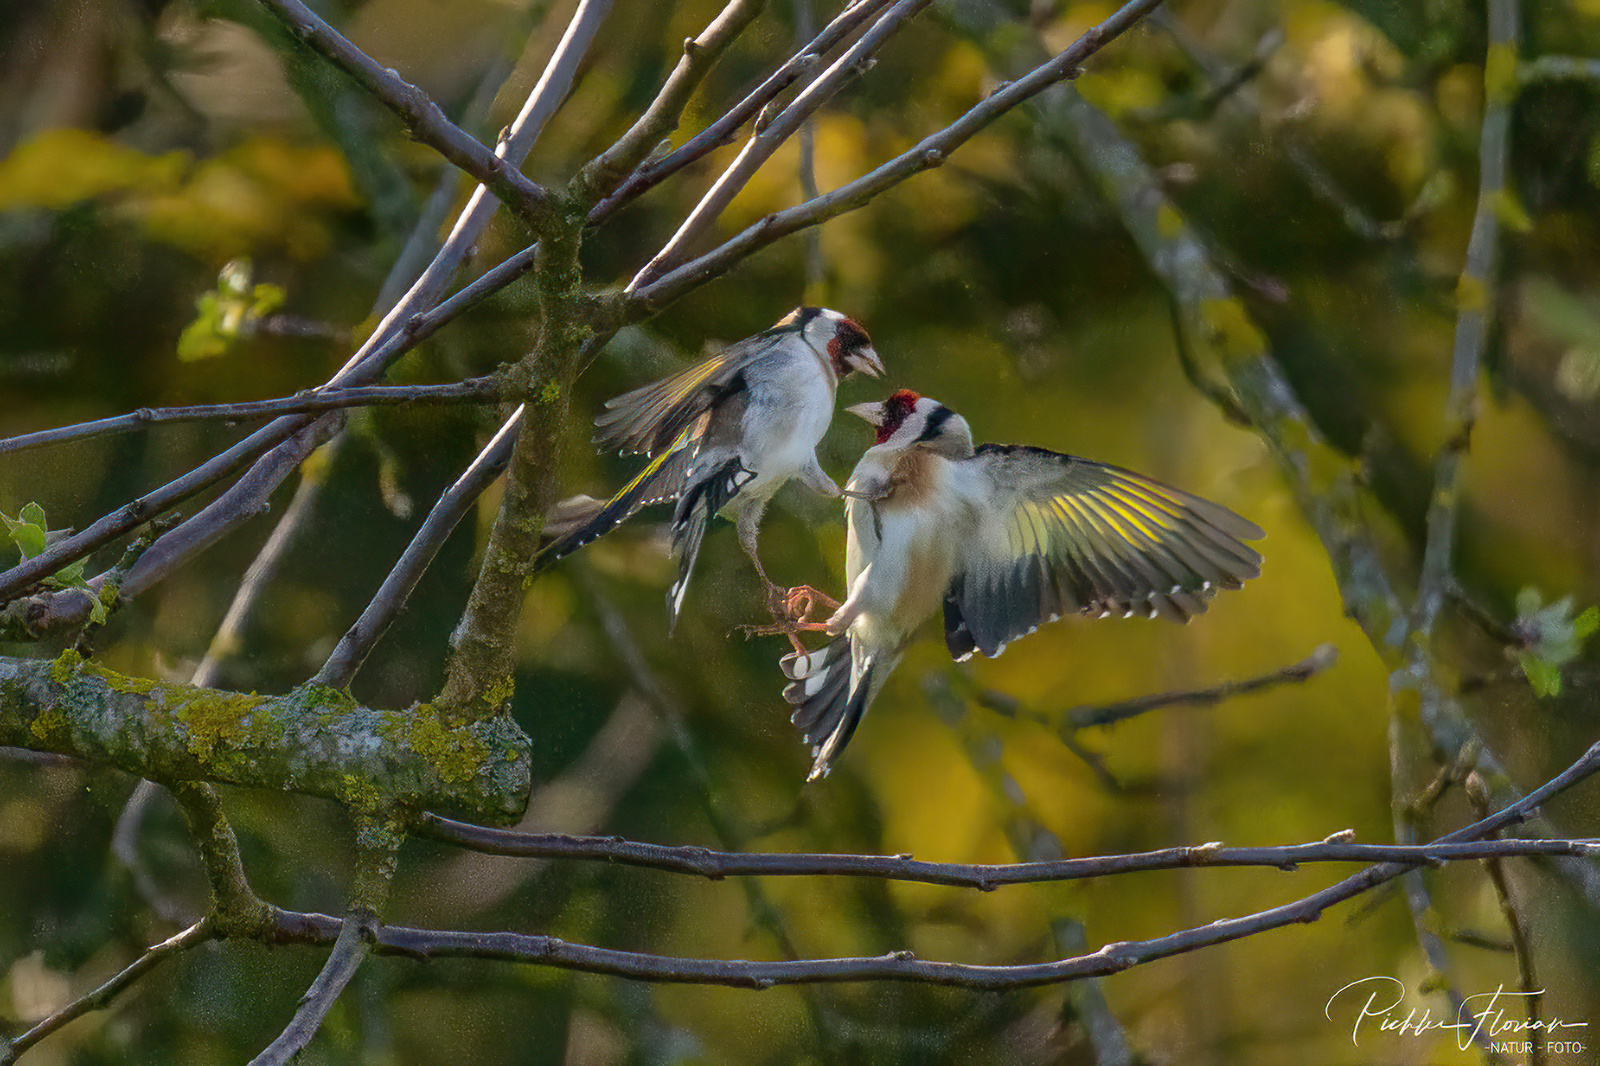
(727, 433)
(1003, 537)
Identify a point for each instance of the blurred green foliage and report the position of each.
(1336, 188)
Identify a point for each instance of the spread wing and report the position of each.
(649, 419)
(1058, 535)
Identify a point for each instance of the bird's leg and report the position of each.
(749, 524)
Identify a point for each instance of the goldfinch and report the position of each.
(1003, 537)
(727, 433)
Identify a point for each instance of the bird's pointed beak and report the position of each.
(866, 360)
(872, 412)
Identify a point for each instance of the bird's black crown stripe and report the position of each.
(936, 421)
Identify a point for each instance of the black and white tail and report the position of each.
(827, 707)
(658, 482)
(700, 500)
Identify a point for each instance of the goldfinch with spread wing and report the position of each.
(727, 433)
(1003, 538)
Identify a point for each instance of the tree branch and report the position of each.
(532, 202)
(716, 865)
(903, 966)
(101, 997)
(770, 136)
(647, 297)
(604, 173)
(358, 642)
(315, 740)
(474, 390)
(722, 131)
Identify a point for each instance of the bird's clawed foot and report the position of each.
(791, 614)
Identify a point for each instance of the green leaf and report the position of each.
(29, 537)
(1545, 677)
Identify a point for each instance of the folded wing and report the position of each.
(1060, 535)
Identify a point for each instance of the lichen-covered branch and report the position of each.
(314, 740)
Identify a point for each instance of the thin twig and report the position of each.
(1527, 976)
(354, 647)
(350, 948)
(1082, 717)
(422, 117)
(770, 136)
(716, 865)
(601, 176)
(473, 390)
(98, 999)
(930, 152)
(723, 130)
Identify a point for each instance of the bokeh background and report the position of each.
(147, 144)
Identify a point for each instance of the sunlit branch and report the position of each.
(422, 117)
(448, 510)
(475, 390)
(102, 996)
(602, 176)
(724, 129)
(716, 865)
(928, 153)
(769, 137)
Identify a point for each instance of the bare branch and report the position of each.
(1107, 714)
(928, 153)
(474, 390)
(903, 966)
(716, 865)
(448, 510)
(602, 176)
(1558, 68)
(769, 137)
(198, 933)
(722, 131)
(422, 117)
(132, 515)
(350, 950)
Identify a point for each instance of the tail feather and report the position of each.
(659, 481)
(697, 503)
(827, 706)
